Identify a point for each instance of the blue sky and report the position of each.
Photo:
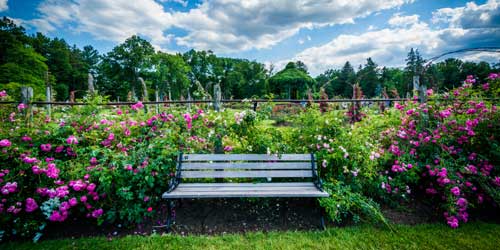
(321, 33)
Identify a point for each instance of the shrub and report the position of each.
(448, 148)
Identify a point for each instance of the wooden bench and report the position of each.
(296, 173)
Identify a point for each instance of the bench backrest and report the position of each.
(246, 166)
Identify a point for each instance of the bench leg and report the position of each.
(170, 215)
(322, 221)
(322, 218)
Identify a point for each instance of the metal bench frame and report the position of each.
(248, 166)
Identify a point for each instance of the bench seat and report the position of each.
(233, 190)
(243, 176)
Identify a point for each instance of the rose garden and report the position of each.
(110, 165)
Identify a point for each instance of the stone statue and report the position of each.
(217, 97)
(90, 83)
(144, 89)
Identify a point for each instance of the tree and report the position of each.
(91, 58)
(129, 60)
(326, 80)
(25, 67)
(202, 66)
(110, 79)
(393, 80)
(301, 66)
(291, 82)
(20, 64)
(347, 79)
(170, 74)
(480, 70)
(368, 79)
(414, 67)
(65, 65)
(11, 36)
(450, 70)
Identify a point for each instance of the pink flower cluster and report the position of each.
(9, 188)
(72, 140)
(21, 106)
(31, 205)
(5, 143)
(189, 120)
(450, 135)
(137, 106)
(107, 142)
(46, 147)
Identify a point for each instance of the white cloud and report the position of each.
(106, 20)
(218, 25)
(470, 16)
(234, 25)
(389, 46)
(3, 5)
(481, 56)
(402, 21)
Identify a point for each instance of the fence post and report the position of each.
(157, 99)
(26, 95)
(189, 102)
(144, 93)
(422, 94)
(90, 83)
(416, 84)
(217, 97)
(48, 94)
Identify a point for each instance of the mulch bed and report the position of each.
(221, 216)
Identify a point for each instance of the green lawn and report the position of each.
(430, 236)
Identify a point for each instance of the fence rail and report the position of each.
(236, 101)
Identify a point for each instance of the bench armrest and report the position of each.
(174, 181)
(316, 179)
(172, 184)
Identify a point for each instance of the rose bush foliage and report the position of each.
(111, 165)
(449, 148)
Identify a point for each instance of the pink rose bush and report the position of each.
(112, 165)
(450, 145)
(91, 166)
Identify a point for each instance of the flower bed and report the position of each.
(112, 165)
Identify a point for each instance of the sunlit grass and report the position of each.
(426, 236)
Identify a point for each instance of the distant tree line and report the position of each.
(33, 60)
(378, 82)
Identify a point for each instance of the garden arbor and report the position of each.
(291, 82)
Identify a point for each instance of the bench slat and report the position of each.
(245, 157)
(246, 165)
(265, 184)
(248, 189)
(232, 189)
(247, 193)
(246, 174)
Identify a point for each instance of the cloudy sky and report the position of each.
(322, 33)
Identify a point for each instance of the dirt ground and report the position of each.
(220, 216)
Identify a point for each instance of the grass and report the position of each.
(426, 236)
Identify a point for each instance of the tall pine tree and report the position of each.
(347, 79)
(414, 67)
(368, 79)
